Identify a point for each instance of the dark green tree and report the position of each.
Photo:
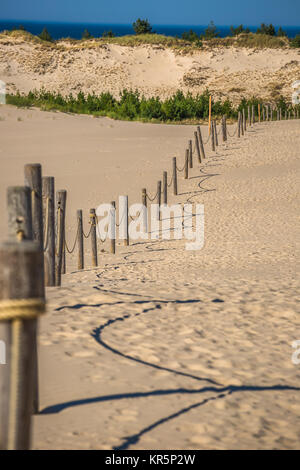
(281, 33)
(295, 42)
(236, 31)
(211, 31)
(108, 34)
(86, 34)
(45, 35)
(142, 27)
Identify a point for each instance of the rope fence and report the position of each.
(35, 257)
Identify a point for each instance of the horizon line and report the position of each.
(129, 24)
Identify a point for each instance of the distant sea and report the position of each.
(75, 30)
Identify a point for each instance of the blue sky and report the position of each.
(185, 12)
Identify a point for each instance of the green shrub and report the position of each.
(45, 35)
(142, 26)
(296, 41)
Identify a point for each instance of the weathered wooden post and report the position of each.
(22, 300)
(239, 124)
(165, 187)
(201, 142)
(49, 229)
(80, 263)
(244, 120)
(145, 212)
(175, 189)
(93, 222)
(158, 200)
(216, 133)
(19, 208)
(242, 123)
(19, 212)
(280, 114)
(191, 154)
(61, 198)
(197, 146)
(112, 228)
(223, 129)
(212, 132)
(186, 165)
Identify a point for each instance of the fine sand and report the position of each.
(159, 347)
(228, 72)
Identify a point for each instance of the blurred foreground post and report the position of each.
(22, 300)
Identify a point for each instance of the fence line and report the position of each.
(35, 257)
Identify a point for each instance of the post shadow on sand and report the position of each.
(215, 388)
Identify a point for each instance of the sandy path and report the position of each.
(162, 348)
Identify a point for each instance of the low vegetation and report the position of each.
(132, 106)
(264, 37)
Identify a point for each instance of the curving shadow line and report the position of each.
(97, 335)
(139, 302)
(133, 439)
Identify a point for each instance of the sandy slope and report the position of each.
(160, 347)
(228, 72)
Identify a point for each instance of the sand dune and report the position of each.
(161, 348)
(155, 70)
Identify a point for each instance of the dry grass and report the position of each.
(250, 40)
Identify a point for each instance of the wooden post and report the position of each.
(175, 189)
(280, 114)
(80, 240)
(239, 124)
(244, 120)
(21, 279)
(113, 228)
(216, 133)
(186, 165)
(201, 142)
(197, 146)
(249, 116)
(209, 116)
(145, 213)
(19, 200)
(33, 179)
(49, 229)
(158, 201)
(61, 198)
(191, 153)
(93, 222)
(19, 212)
(223, 129)
(165, 187)
(212, 137)
(263, 113)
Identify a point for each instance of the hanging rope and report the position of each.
(75, 242)
(232, 135)
(152, 198)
